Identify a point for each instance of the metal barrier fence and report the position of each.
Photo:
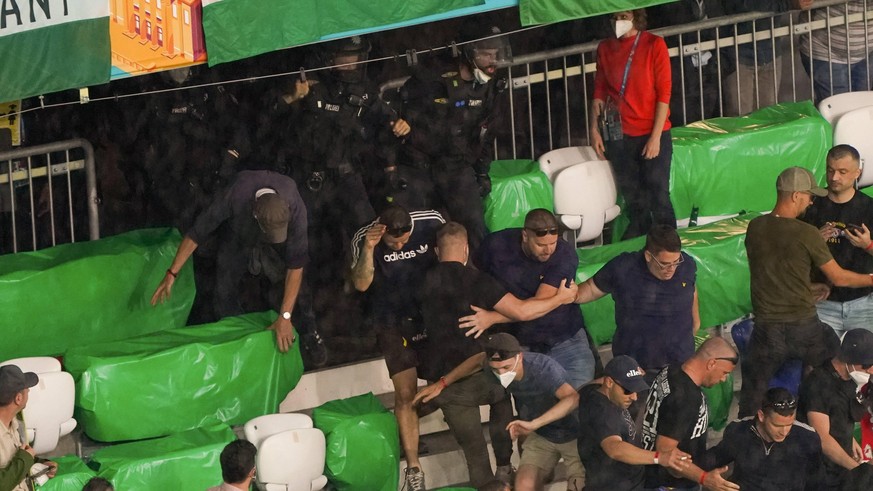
(41, 195)
(550, 91)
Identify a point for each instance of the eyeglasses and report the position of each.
(626, 392)
(398, 231)
(734, 360)
(782, 405)
(542, 232)
(674, 264)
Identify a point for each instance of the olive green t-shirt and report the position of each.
(782, 254)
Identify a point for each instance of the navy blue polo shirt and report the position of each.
(501, 256)
(399, 274)
(652, 316)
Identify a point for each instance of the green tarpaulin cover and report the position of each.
(363, 453)
(547, 11)
(72, 475)
(184, 462)
(238, 29)
(724, 166)
(185, 378)
(79, 294)
(722, 274)
(517, 186)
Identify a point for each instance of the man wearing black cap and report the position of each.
(770, 450)
(16, 456)
(783, 252)
(546, 404)
(264, 235)
(608, 440)
(830, 401)
(389, 259)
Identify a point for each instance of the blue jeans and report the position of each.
(575, 356)
(844, 316)
(842, 72)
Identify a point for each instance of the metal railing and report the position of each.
(41, 202)
(550, 91)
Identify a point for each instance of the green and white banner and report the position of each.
(238, 29)
(547, 11)
(52, 45)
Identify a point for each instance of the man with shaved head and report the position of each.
(453, 362)
(677, 416)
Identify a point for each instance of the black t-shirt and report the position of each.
(856, 211)
(823, 391)
(793, 464)
(399, 273)
(448, 291)
(677, 409)
(598, 419)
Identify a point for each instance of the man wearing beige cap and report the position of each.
(16, 456)
(261, 230)
(783, 251)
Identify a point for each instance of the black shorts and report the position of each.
(401, 345)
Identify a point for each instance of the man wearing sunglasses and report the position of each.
(655, 294)
(831, 402)
(389, 259)
(783, 252)
(770, 450)
(677, 416)
(533, 262)
(609, 443)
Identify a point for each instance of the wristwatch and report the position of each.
(286, 315)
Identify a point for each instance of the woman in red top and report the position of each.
(641, 155)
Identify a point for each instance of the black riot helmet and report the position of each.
(347, 56)
(488, 50)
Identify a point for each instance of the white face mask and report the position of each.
(481, 77)
(508, 376)
(623, 27)
(860, 378)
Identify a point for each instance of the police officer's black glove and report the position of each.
(484, 181)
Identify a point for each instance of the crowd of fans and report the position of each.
(491, 318)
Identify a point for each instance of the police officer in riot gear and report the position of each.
(340, 123)
(340, 130)
(446, 156)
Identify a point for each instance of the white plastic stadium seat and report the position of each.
(291, 452)
(836, 106)
(855, 128)
(49, 412)
(556, 160)
(585, 192)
